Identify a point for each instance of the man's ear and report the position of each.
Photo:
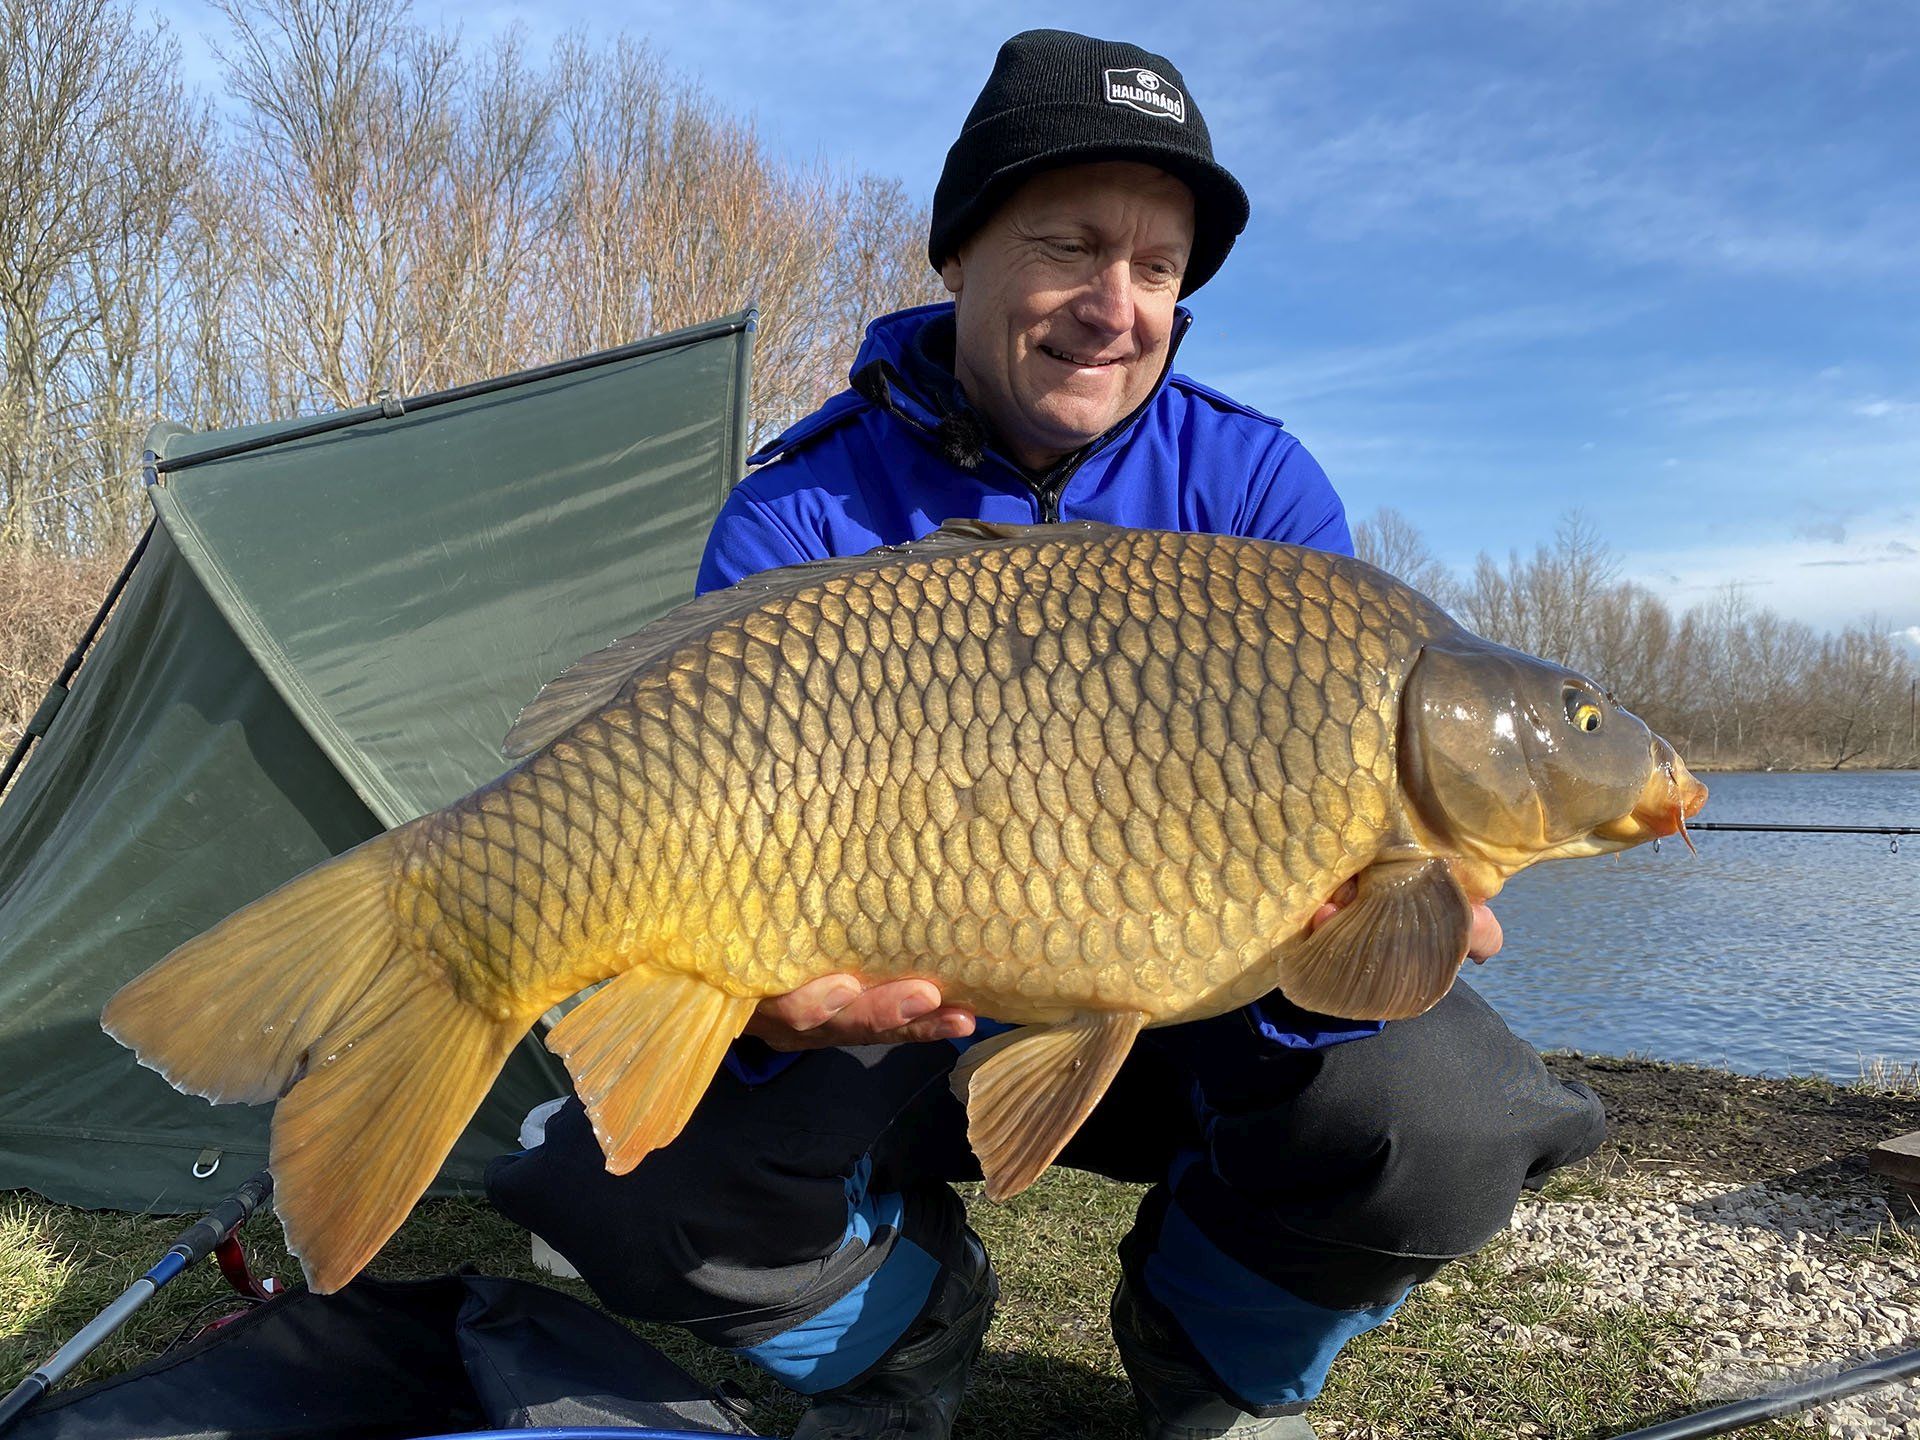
(952, 274)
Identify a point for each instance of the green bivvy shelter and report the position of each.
(330, 627)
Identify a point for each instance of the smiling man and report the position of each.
(1065, 305)
(1305, 1171)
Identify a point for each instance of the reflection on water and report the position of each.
(1769, 954)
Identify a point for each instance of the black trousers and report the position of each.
(1295, 1194)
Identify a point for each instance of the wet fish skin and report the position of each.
(1048, 775)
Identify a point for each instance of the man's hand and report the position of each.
(1484, 936)
(838, 1010)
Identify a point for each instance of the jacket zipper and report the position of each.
(1048, 490)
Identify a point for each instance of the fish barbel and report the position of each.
(1085, 779)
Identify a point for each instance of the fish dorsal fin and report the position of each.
(590, 683)
(1390, 954)
(963, 532)
(1027, 1091)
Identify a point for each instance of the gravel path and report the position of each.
(1783, 1284)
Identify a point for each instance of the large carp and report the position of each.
(1085, 779)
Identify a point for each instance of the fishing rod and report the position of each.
(1892, 832)
(210, 1233)
(1807, 829)
(1742, 1413)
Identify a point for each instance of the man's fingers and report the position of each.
(836, 1010)
(810, 1006)
(949, 1022)
(1484, 936)
(886, 1008)
(1341, 897)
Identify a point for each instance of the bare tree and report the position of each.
(97, 140)
(1389, 540)
(346, 129)
(1856, 682)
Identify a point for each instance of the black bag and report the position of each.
(383, 1360)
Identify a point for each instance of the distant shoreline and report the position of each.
(1731, 767)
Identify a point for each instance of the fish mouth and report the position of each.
(1671, 796)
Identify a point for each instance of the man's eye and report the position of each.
(1067, 247)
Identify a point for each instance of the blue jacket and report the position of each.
(876, 465)
(888, 459)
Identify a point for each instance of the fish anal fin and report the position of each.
(1391, 953)
(1027, 1091)
(641, 1050)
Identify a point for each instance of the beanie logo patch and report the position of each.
(1142, 90)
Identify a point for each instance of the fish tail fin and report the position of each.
(360, 1137)
(310, 995)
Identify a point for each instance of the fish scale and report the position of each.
(829, 784)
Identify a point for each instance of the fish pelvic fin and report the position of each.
(310, 996)
(642, 1050)
(1390, 954)
(1028, 1091)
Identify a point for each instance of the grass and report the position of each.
(1485, 1352)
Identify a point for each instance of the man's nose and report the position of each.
(1106, 303)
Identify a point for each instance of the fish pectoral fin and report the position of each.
(1390, 954)
(1027, 1091)
(641, 1050)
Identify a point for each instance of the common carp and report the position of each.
(1085, 779)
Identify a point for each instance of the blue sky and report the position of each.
(1659, 262)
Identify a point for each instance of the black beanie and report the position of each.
(1056, 98)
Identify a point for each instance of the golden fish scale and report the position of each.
(1112, 773)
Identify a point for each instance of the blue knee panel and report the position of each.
(1269, 1347)
(835, 1344)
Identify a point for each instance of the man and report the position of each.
(1305, 1171)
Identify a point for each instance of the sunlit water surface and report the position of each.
(1767, 954)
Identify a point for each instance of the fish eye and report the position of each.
(1582, 712)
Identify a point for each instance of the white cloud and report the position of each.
(1875, 572)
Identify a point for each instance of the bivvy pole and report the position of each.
(195, 1243)
(1742, 1413)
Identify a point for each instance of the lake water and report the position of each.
(1767, 954)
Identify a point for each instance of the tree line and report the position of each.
(1732, 684)
(374, 205)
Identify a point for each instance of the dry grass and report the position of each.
(45, 604)
(1889, 1077)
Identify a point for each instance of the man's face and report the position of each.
(1065, 303)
